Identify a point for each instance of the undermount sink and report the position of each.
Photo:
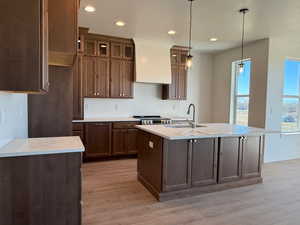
(182, 126)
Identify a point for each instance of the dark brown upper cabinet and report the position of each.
(122, 51)
(24, 46)
(121, 83)
(63, 32)
(95, 77)
(108, 65)
(90, 47)
(177, 90)
(96, 48)
(103, 48)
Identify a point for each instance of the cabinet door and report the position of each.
(102, 77)
(90, 47)
(119, 141)
(177, 165)
(252, 156)
(230, 159)
(24, 46)
(182, 56)
(117, 50)
(182, 83)
(132, 139)
(77, 89)
(174, 57)
(116, 84)
(173, 86)
(205, 162)
(103, 48)
(128, 51)
(98, 140)
(169, 90)
(127, 79)
(89, 78)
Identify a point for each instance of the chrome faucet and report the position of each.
(193, 122)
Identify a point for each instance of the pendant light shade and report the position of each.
(189, 58)
(241, 64)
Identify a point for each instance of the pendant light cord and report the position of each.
(191, 18)
(243, 35)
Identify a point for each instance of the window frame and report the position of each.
(234, 91)
(290, 97)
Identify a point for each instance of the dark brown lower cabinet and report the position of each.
(178, 168)
(177, 161)
(119, 141)
(124, 141)
(150, 161)
(230, 159)
(41, 190)
(205, 162)
(78, 130)
(252, 156)
(97, 140)
(132, 140)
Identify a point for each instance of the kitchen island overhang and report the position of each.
(177, 162)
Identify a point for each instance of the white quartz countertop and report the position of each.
(41, 146)
(120, 119)
(209, 130)
(107, 119)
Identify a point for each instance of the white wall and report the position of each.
(279, 146)
(221, 85)
(13, 117)
(147, 97)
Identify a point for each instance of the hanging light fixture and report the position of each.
(241, 64)
(189, 58)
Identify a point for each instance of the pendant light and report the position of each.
(241, 64)
(189, 58)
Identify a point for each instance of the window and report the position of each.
(240, 93)
(291, 96)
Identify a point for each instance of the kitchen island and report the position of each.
(177, 160)
(40, 181)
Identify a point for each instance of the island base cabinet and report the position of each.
(177, 156)
(252, 156)
(170, 169)
(150, 162)
(205, 162)
(41, 190)
(230, 157)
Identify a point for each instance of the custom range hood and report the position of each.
(153, 64)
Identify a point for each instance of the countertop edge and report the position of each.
(54, 152)
(199, 136)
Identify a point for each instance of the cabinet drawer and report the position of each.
(77, 126)
(125, 125)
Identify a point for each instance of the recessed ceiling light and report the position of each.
(90, 8)
(171, 32)
(213, 39)
(120, 23)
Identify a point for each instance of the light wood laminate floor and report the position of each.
(112, 195)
